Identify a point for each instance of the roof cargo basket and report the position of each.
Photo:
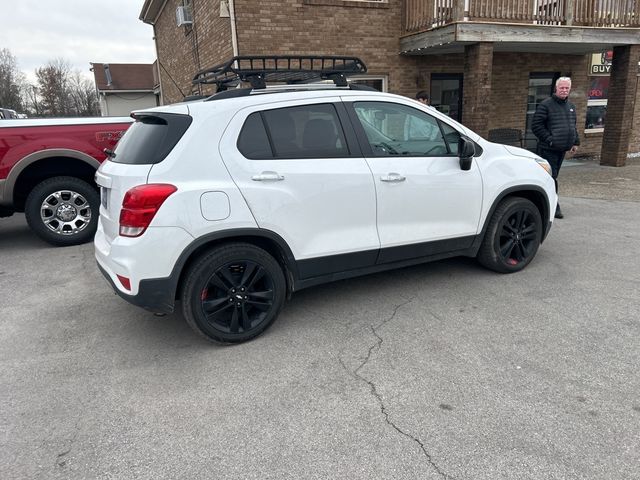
(289, 69)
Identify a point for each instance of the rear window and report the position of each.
(150, 138)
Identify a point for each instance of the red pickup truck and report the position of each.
(47, 168)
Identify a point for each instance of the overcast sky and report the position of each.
(79, 31)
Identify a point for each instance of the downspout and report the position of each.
(234, 33)
(106, 104)
(155, 44)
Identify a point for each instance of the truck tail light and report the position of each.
(140, 205)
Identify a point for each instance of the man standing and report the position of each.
(554, 123)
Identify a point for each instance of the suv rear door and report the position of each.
(304, 178)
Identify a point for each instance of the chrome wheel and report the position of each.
(65, 212)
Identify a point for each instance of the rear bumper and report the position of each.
(156, 294)
(147, 261)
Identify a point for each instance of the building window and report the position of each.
(596, 115)
(380, 82)
(597, 104)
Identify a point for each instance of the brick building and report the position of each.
(486, 63)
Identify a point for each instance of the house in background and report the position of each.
(486, 63)
(124, 87)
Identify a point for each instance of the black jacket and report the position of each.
(554, 123)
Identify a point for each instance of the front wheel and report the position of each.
(512, 237)
(63, 211)
(233, 294)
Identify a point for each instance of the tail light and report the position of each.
(140, 205)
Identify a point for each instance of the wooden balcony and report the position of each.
(424, 15)
(572, 27)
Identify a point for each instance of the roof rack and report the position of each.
(289, 69)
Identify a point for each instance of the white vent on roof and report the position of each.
(183, 16)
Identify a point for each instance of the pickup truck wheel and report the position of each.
(233, 294)
(63, 211)
(512, 237)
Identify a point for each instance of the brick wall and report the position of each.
(181, 55)
(370, 31)
(476, 105)
(621, 105)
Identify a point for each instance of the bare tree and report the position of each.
(12, 81)
(53, 87)
(31, 100)
(83, 95)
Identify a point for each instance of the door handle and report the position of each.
(393, 178)
(267, 176)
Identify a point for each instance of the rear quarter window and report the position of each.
(151, 138)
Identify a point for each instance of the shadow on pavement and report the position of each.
(15, 233)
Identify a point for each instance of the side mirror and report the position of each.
(466, 151)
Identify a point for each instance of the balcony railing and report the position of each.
(421, 15)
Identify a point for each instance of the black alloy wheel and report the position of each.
(237, 297)
(513, 236)
(517, 240)
(233, 294)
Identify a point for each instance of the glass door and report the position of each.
(540, 87)
(446, 94)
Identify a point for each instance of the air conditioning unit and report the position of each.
(183, 16)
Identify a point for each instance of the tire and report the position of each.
(233, 293)
(63, 211)
(512, 237)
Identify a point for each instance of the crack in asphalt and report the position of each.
(60, 461)
(372, 387)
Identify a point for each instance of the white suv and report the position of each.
(231, 203)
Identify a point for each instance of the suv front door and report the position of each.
(304, 178)
(426, 204)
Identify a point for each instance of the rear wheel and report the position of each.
(233, 294)
(63, 211)
(512, 237)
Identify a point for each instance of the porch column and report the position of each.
(476, 100)
(622, 98)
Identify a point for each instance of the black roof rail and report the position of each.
(290, 69)
(191, 98)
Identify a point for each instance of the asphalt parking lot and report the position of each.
(438, 371)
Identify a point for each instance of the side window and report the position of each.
(400, 130)
(451, 136)
(253, 142)
(308, 131)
